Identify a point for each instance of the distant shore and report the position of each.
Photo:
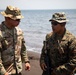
(35, 66)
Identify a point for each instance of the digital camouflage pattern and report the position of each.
(59, 17)
(7, 49)
(62, 53)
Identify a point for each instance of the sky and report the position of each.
(39, 4)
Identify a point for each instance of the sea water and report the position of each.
(36, 25)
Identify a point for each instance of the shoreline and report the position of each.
(34, 62)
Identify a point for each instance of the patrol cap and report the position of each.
(59, 17)
(12, 12)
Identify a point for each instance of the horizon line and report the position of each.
(46, 9)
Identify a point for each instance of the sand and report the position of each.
(34, 62)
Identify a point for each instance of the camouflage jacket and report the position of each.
(62, 52)
(11, 44)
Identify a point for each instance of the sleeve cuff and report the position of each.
(27, 61)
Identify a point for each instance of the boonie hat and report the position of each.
(59, 17)
(12, 12)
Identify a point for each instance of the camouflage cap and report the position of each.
(59, 17)
(12, 12)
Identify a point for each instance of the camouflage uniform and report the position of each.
(61, 51)
(8, 39)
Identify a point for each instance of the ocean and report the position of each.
(36, 25)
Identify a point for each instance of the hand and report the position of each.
(43, 66)
(6, 73)
(27, 66)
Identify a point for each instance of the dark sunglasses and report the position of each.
(17, 20)
(54, 23)
(14, 20)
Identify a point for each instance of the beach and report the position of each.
(34, 62)
(35, 26)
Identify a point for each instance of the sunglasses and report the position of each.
(54, 23)
(17, 20)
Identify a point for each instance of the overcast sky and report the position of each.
(39, 4)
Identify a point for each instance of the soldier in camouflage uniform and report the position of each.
(61, 48)
(12, 44)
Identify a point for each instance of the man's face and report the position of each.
(56, 27)
(14, 23)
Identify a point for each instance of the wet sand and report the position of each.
(35, 67)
